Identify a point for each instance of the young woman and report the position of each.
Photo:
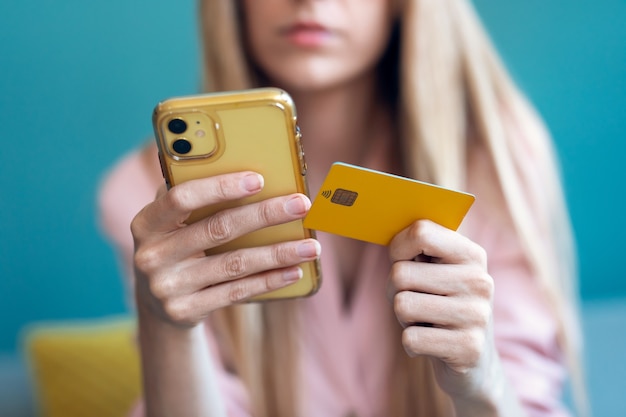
(411, 87)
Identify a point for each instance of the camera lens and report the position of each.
(181, 146)
(177, 126)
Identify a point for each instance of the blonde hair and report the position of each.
(454, 90)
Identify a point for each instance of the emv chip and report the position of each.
(344, 197)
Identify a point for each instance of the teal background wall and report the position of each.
(78, 81)
(570, 58)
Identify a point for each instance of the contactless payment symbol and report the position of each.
(344, 197)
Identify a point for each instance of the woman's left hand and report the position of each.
(442, 295)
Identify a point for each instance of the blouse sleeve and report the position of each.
(124, 191)
(525, 327)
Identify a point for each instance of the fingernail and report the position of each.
(297, 206)
(308, 249)
(252, 182)
(292, 275)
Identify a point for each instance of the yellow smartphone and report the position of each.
(210, 134)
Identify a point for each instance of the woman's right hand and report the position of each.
(177, 283)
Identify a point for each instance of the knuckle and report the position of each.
(147, 259)
(280, 255)
(266, 213)
(418, 231)
(483, 316)
(479, 254)
(177, 311)
(473, 348)
(137, 225)
(474, 315)
(399, 273)
(483, 285)
(223, 188)
(402, 305)
(179, 197)
(270, 284)
(396, 271)
(219, 228)
(238, 291)
(162, 288)
(409, 341)
(234, 265)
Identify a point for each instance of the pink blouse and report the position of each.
(339, 372)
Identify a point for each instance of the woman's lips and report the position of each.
(307, 34)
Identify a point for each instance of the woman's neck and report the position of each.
(341, 124)
(349, 124)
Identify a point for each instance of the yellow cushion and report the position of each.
(84, 368)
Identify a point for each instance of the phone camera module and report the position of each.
(181, 146)
(177, 126)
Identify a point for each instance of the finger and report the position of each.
(217, 269)
(195, 307)
(170, 210)
(460, 350)
(443, 312)
(229, 224)
(440, 279)
(233, 292)
(425, 237)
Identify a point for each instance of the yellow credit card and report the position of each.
(374, 206)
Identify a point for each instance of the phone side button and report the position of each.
(303, 167)
(301, 157)
(163, 171)
(161, 164)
